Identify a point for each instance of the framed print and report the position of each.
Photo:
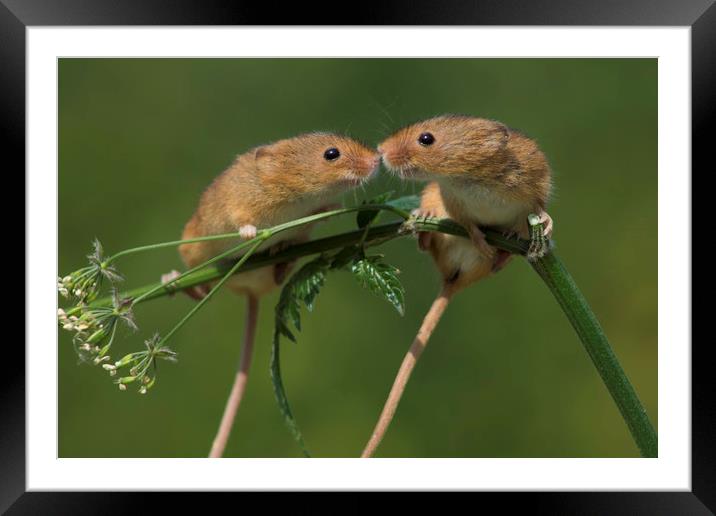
(285, 178)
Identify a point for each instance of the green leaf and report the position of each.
(380, 278)
(346, 256)
(407, 203)
(364, 218)
(280, 394)
(283, 329)
(302, 287)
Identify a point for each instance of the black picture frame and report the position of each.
(17, 15)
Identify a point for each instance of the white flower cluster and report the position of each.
(82, 285)
(95, 324)
(89, 333)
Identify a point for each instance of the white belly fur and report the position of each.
(487, 207)
(462, 253)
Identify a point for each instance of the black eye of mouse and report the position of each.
(426, 139)
(332, 154)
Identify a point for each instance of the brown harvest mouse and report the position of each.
(484, 174)
(263, 187)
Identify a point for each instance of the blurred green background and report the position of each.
(504, 375)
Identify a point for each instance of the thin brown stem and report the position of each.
(242, 376)
(406, 368)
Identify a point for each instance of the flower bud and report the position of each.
(96, 336)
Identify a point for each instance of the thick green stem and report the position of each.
(272, 231)
(375, 235)
(549, 267)
(575, 306)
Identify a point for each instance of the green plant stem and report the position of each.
(274, 230)
(214, 289)
(215, 259)
(549, 268)
(374, 236)
(167, 288)
(574, 305)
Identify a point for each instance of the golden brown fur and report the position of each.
(474, 149)
(484, 173)
(264, 187)
(459, 262)
(270, 185)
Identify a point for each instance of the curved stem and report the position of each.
(375, 235)
(208, 296)
(217, 258)
(549, 267)
(276, 229)
(575, 306)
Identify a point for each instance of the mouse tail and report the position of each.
(242, 376)
(406, 368)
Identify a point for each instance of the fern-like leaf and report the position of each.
(302, 288)
(280, 394)
(380, 278)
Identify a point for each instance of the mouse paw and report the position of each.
(281, 271)
(279, 246)
(424, 237)
(547, 224)
(423, 213)
(502, 258)
(197, 292)
(248, 232)
(169, 277)
(540, 228)
(478, 238)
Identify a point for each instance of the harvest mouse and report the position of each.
(489, 174)
(484, 174)
(266, 186)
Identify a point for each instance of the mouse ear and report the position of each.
(262, 152)
(497, 137)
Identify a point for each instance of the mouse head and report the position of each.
(445, 146)
(316, 164)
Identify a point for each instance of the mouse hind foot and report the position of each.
(281, 270)
(478, 238)
(425, 238)
(540, 229)
(197, 292)
(502, 258)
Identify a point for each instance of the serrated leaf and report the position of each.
(382, 279)
(365, 218)
(281, 398)
(302, 287)
(283, 329)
